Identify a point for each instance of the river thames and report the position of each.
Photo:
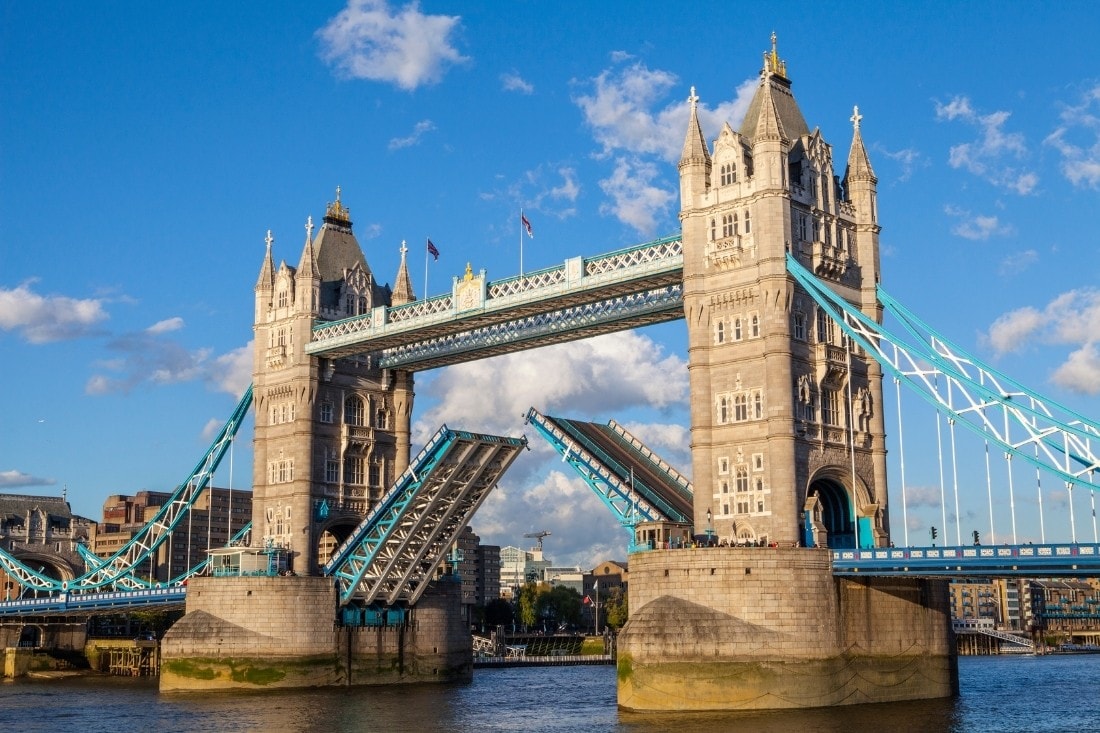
(1018, 693)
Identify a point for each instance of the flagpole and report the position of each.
(521, 241)
(425, 295)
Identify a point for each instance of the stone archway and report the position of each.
(332, 536)
(836, 512)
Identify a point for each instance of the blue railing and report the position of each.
(1045, 560)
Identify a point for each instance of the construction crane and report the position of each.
(538, 536)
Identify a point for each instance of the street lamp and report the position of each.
(710, 529)
(596, 587)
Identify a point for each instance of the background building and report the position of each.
(214, 518)
(42, 532)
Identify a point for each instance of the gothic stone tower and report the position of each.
(786, 419)
(330, 433)
(787, 445)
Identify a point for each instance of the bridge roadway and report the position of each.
(583, 297)
(1033, 561)
(633, 468)
(71, 604)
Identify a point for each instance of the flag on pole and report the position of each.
(432, 250)
(587, 600)
(526, 225)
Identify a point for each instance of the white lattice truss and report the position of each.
(575, 282)
(965, 390)
(567, 324)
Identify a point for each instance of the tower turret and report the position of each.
(695, 161)
(402, 285)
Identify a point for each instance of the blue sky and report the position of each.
(146, 148)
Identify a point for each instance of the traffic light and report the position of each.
(934, 534)
(977, 538)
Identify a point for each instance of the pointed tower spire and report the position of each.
(695, 145)
(695, 163)
(769, 126)
(267, 269)
(859, 165)
(403, 287)
(307, 267)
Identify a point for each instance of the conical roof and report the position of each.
(774, 104)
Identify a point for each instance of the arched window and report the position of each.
(748, 222)
(720, 332)
(723, 410)
(737, 328)
(354, 411)
(754, 325)
(741, 407)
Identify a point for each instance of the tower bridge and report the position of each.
(776, 273)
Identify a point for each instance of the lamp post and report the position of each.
(596, 625)
(710, 528)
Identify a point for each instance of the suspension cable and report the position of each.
(1011, 483)
(939, 451)
(901, 453)
(989, 494)
(954, 466)
(852, 438)
(1039, 490)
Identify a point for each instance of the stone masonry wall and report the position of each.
(765, 628)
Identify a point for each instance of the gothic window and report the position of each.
(332, 470)
(759, 484)
(713, 229)
(380, 420)
(760, 505)
(376, 472)
(742, 478)
(803, 228)
(727, 225)
(353, 411)
(723, 466)
(353, 470)
(830, 407)
(733, 231)
(757, 404)
(723, 410)
(758, 462)
(737, 328)
(729, 174)
(742, 507)
(282, 299)
(725, 487)
(720, 332)
(754, 325)
(748, 222)
(326, 412)
(817, 229)
(741, 407)
(725, 508)
(800, 326)
(811, 408)
(824, 327)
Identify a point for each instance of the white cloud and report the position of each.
(513, 82)
(987, 155)
(146, 357)
(44, 318)
(418, 132)
(908, 159)
(569, 188)
(1077, 138)
(1071, 318)
(1081, 371)
(165, 326)
(1017, 262)
(15, 479)
(978, 227)
(366, 40)
(594, 377)
(637, 129)
(634, 199)
(232, 372)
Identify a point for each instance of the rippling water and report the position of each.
(1054, 693)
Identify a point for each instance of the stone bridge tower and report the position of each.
(786, 418)
(330, 434)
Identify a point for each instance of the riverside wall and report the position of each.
(767, 628)
(280, 632)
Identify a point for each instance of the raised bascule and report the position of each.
(766, 580)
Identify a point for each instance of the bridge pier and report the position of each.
(281, 632)
(767, 628)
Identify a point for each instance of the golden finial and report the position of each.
(772, 64)
(469, 272)
(336, 210)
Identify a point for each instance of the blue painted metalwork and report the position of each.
(628, 503)
(73, 603)
(982, 399)
(119, 567)
(653, 267)
(394, 552)
(1051, 560)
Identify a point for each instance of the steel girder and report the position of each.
(625, 504)
(965, 390)
(577, 282)
(1057, 560)
(394, 552)
(568, 324)
(120, 566)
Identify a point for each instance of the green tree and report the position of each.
(616, 609)
(529, 604)
(560, 605)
